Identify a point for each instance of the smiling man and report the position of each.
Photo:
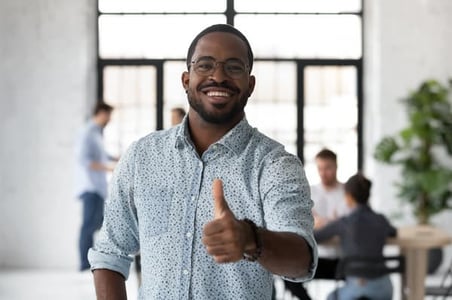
(212, 205)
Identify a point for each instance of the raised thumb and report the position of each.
(220, 204)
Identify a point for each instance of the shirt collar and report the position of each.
(182, 134)
(361, 207)
(235, 140)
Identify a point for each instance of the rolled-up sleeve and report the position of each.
(287, 202)
(118, 239)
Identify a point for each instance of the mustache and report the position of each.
(225, 85)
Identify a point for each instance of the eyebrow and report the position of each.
(204, 57)
(213, 58)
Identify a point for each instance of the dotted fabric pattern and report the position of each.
(160, 198)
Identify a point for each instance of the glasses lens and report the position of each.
(234, 68)
(204, 66)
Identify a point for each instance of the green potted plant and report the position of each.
(425, 182)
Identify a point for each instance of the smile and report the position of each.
(218, 94)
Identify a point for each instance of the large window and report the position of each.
(308, 67)
(331, 115)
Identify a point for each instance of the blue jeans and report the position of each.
(376, 289)
(93, 215)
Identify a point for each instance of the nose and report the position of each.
(219, 74)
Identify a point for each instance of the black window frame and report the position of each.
(230, 14)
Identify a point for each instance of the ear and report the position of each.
(251, 84)
(185, 79)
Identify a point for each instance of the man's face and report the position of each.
(327, 169)
(218, 98)
(104, 118)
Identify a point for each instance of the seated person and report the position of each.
(329, 205)
(362, 233)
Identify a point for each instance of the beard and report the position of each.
(218, 118)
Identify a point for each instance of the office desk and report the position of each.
(414, 243)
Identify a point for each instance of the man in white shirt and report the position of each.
(329, 204)
(328, 196)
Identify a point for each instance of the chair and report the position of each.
(445, 287)
(369, 267)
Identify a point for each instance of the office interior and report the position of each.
(60, 57)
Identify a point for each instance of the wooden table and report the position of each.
(414, 243)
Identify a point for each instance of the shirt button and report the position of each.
(185, 272)
(193, 198)
(188, 234)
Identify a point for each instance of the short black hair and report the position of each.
(358, 186)
(220, 28)
(327, 154)
(102, 106)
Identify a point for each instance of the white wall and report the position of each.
(407, 41)
(47, 84)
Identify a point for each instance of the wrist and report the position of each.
(253, 246)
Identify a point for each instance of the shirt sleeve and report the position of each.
(85, 152)
(392, 231)
(287, 203)
(118, 238)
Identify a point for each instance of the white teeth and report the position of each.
(217, 94)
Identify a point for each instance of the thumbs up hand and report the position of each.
(224, 237)
(220, 206)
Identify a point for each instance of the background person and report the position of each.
(328, 195)
(329, 205)
(362, 233)
(212, 205)
(92, 166)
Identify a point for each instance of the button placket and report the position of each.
(189, 227)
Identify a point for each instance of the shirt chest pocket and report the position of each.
(154, 211)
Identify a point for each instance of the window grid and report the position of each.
(351, 8)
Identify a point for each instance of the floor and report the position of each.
(52, 285)
(72, 285)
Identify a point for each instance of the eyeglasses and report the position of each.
(206, 66)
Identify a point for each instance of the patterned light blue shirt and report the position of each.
(160, 199)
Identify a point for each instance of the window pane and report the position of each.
(292, 6)
(174, 93)
(330, 117)
(161, 6)
(131, 90)
(139, 36)
(308, 36)
(272, 107)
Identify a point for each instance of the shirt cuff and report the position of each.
(313, 247)
(100, 260)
